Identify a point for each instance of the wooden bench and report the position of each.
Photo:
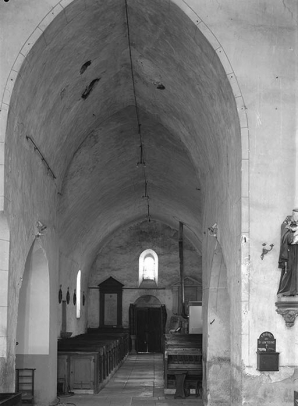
(87, 361)
(183, 363)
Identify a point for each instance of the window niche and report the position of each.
(110, 303)
(148, 268)
(78, 293)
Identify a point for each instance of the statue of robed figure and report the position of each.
(288, 257)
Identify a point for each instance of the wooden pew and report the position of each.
(183, 362)
(99, 353)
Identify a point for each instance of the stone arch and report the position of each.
(34, 304)
(33, 326)
(4, 274)
(58, 9)
(147, 301)
(69, 13)
(216, 357)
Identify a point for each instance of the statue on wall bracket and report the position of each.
(287, 306)
(288, 257)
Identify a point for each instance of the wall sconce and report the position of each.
(67, 296)
(213, 230)
(60, 294)
(265, 250)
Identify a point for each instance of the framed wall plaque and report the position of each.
(110, 303)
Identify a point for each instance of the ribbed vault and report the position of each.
(117, 76)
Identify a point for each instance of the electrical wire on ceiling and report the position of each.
(141, 162)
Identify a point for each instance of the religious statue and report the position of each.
(288, 257)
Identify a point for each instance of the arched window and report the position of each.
(78, 290)
(148, 266)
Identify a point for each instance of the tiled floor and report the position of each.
(139, 382)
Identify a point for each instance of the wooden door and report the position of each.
(154, 328)
(82, 372)
(149, 329)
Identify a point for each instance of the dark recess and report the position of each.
(89, 88)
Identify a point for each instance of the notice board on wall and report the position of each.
(110, 309)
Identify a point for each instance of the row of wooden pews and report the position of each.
(183, 363)
(87, 361)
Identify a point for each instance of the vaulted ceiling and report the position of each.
(128, 101)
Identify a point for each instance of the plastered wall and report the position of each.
(119, 258)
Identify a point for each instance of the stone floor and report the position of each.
(139, 382)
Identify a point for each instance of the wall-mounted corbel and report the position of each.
(265, 250)
(213, 230)
(40, 229)
(288, 310)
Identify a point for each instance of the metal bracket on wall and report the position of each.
(265, 250)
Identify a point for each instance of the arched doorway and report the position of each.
(33, 328)
(147, 323)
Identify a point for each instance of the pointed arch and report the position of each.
(33, 327)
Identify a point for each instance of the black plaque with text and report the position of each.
(267, 357)
(267, 342)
